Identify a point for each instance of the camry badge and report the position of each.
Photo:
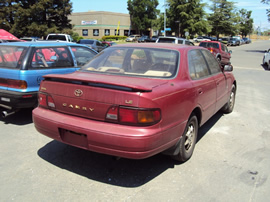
(78, 92)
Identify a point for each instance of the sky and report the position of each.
(120, 6)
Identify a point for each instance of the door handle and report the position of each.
(200, 91)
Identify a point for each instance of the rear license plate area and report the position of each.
(73, 138)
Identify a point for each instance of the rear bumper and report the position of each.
(17, 100)
(102, 137)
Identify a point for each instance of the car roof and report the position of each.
(172, 37)
(40, 43)
(169, 46)
(210, 42)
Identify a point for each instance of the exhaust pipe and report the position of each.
(7, 113)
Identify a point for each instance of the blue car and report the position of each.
(23, 65)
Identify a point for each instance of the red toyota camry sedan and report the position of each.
(136, 100)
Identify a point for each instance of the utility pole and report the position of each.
(164, 18)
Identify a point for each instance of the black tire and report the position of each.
(228, 107)
(188, 140)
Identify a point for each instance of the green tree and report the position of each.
(142, 13)
(7, 10)
(267, 10)
(224, 19)
(35, 18)
(246, 22)
(187, 16)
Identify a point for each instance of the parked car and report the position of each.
(23, 65)
(59, 37)
(3, 41)
(266, 59)
(109, 43)
(153, 39)
(219, 50)
(234, 42)
(143, 39)
(247, 40)
(93, 43)
(175, 40)
(135, 101)
(201, 38)
(133, 38)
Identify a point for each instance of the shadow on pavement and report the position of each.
(107, 169)
(22, 117)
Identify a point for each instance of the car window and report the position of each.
(223, 48)
(141, 62)
(11, 56)
(51, 57)
(82, 55)
(180, 41)
(212, 62)
(166, 40)
(98, 43)
(57, 37)
(197, 66)
(203, 44)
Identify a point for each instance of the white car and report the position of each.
(200, 38)
(266, 59)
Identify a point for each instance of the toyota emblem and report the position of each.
(78, 92)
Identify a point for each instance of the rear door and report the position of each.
(220, 80)
(203, 83)
(225, 55)
(46, 60)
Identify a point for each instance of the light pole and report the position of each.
(164, 18)
(178, 21)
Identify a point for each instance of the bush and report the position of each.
(113, 38)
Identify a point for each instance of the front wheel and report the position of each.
(188, 140)
(228, 107)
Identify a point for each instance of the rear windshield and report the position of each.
(166, 40)
(10, 56)
(86, 41)
(209, 45)
(141, 62)
(57, 37)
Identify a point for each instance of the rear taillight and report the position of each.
(133, 116)
(46, 101)
(11, 83)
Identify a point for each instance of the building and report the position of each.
(96, 24)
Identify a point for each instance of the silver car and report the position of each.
(174, 40)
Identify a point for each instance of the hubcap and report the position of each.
(232, 99)
(189, 137)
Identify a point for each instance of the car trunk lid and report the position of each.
(92, 95)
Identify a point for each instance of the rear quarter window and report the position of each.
(11, 57)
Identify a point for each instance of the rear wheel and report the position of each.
(188, 140)
(219, 60)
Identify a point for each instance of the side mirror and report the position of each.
(228, 68)
(230, 51)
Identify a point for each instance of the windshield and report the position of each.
(142, 62)
(10, 56)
